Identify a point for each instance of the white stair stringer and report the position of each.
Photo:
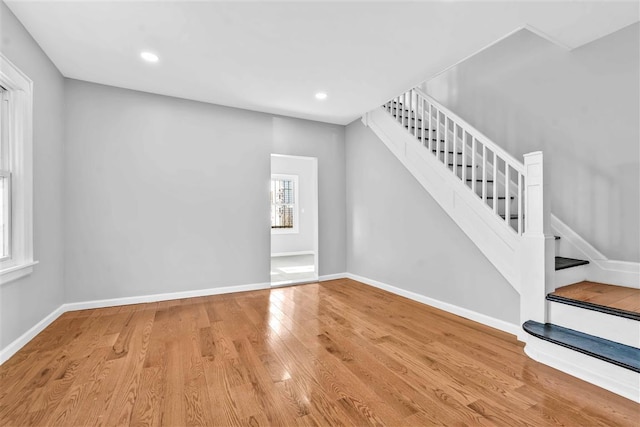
(498, 243)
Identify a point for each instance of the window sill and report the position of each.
(13, 273)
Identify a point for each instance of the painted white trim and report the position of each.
(316, 201)
(285, 283)
(19, 90)
(289, 156)
(23, 339)
(336, 276)
(616, 379)
(14, 273)
(600, 268)
(279, 254)
(492, 322)
(84, 305)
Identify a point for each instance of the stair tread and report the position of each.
(620, 301)
(609, 351)
(562, 262)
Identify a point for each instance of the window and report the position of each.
(284, 199)
(16, 205)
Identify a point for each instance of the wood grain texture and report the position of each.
(620, 297)
(337, 353)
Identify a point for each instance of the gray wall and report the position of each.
(25, 302)
(166, 195)
(397, 234)
(581, 108)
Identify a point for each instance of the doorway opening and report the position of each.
(294, 219)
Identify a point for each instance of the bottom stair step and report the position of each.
(609, 351)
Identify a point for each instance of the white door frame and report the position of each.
(315, 198)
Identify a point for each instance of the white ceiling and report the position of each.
(273, 57)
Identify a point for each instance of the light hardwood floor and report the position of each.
(335, 353)
(620, 297)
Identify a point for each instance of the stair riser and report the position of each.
(595, 371)
(607, 326)
(571, 275)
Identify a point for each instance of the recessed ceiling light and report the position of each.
(149, 57)
(321, 95)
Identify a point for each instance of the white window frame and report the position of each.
(19, 138)
(296, 205)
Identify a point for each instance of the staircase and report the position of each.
(502, 205)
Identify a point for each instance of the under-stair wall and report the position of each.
(460, 168)
(397, 234)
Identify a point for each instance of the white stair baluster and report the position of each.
(406, 110)
(455, 149)
(474, 178)
(415, 113)
(439, 137)
(520, 202)
(484, 173)
(422, 105)
(429, 142)
(395, 101)
(495, 182)
(446, 141)
(465, 139)
(507, 200)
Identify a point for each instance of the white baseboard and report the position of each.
(84, 305)
(20, 342)
(616, 379)
(600, 268)
(23, 339)
(507, 327)
(332, 277)
(279, 254)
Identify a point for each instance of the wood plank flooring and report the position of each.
(336, 353)
(620, 297)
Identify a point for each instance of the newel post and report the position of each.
(537, 252)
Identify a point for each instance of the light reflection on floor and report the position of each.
(292, 269)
